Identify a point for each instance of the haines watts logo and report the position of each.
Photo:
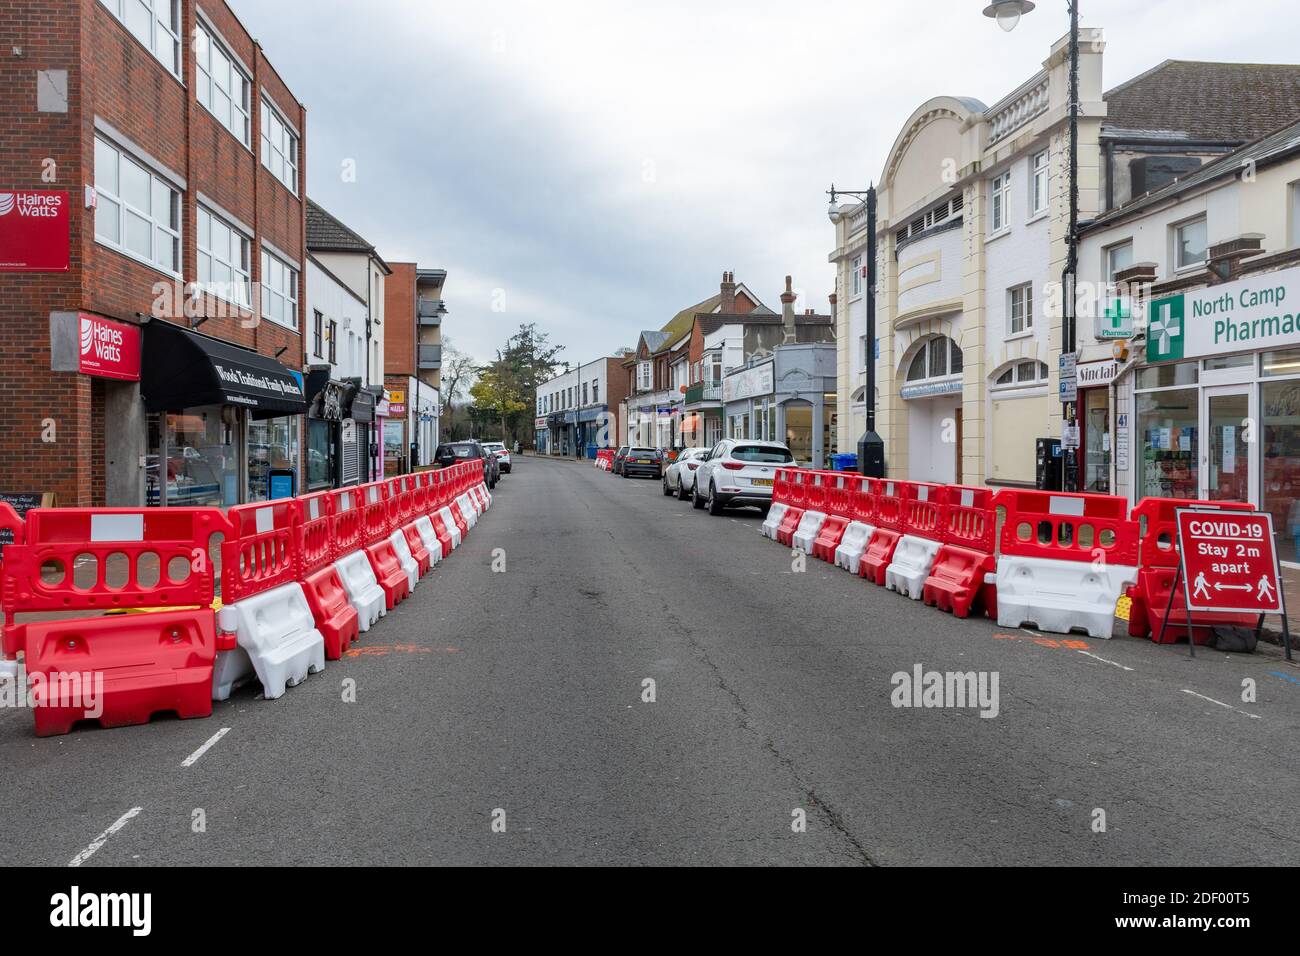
(32, 205)
(102, 340)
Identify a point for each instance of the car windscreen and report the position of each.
(463, 451)
(643, 453)
(762, 454)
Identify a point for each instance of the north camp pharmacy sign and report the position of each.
(1262, 312)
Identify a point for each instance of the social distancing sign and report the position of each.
(1229, 561)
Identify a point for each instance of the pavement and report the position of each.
(502, 715)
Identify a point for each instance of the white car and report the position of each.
(680, 475)
(738, 471)
(501, 452)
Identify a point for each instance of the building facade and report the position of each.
(1195, 338)
(154, 352)
(413, 369)
(574, 411)
(356, 266)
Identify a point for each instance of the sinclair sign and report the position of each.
(35, 231)
(1262, 312)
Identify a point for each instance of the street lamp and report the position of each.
(1008, 13)
(871, 447)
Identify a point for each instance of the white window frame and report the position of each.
(279, 141)
(644, 376)
(273, 267)
(240, 274)
(1110, 257)
(856, 285)
(1176, 253)
(109, 194)
(1014, 369)
(1293, 227)
(1022, 297)
(1040, 179)
(207, 85)
(166, 48)
(1000, 204)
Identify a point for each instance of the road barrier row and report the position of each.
(1060, 561)
(301, 579)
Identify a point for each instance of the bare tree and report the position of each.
(458, 373)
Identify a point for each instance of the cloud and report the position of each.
(603, 163)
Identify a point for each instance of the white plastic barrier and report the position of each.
(429, 537)
(806, 533)
(1060, 596)
(773, 520)
(277, 631)
(467, 510)
(852, 546)
(449, 522)
(404, 557)
(913, 558)
(364, 592)
(231, 669)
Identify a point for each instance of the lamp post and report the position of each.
(1008, 14)
(871, 447)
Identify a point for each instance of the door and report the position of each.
(1227, 465)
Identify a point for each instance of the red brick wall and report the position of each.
(399, 320)
(112, 76)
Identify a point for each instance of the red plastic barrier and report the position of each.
(956, 581)
(418, 551)
(420, 494)
(10, 522)
(442, 531)
(314, 531)
(818, 487)
(1149, 597)
(864, 501)
(388, 572)
(924, 509)
(400, 500)
(789, 524)
(347, 520)
(374, 512)
(969, 518)
(839, 502)
(879, 555)
(336, 618)
(890, 509)
(798, 488)
(261, 552)
(125, 667)
(782, 490)
(1067, 527)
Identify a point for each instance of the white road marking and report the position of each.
(100, 840)
(193, 758)
(1222, 704)
(1104, 661)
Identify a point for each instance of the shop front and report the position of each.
(789, 398)
(1096, 425)
(1217, 400)
(356, 432)
(325, 400)
(223, 422)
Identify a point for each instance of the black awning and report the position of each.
(182, 369)
(360, 401)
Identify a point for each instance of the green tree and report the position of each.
(498, 390)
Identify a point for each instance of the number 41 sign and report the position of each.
(1229, 561)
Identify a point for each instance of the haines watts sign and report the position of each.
(94, 345)
(35, 231)
(1262, 312)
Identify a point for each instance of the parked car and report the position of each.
(643, 461)
(453, 453)
(502, 452)
(739, 472)
(679, 477)
(616, 466)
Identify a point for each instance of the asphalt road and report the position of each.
(521, 691)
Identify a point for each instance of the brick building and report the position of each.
(413, 364)
(181, 156)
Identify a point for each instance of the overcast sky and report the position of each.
(595, 165)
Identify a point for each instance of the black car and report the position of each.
(455, 452)
(616, 463)
(643, 461)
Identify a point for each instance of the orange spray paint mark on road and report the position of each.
(1073, 645)
(383, 650)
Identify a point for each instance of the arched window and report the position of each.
(1022, 375)
(939, 357)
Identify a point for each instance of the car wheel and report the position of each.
(668, 492)
(682, 493)
(696, 501)
(715, 503)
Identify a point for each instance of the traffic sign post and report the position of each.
(1228, 563)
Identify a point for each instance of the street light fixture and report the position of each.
(1008, 13)
(871, 447)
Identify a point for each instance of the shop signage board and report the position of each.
(931, 389)
(749, 382)
(1261, 312)
(1116, 319)
(108, 349)
(35, 231)
(1096, 374)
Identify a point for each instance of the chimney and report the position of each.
(728, 293)
(1224, 258)
(787, 314)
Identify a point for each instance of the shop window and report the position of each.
(1282, 363)
(272, 446)
(799, 432)
(193, 458)
(1165, 376)
(320, 453)
(1167, 424)
(1281, 479)
(1097, 450)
